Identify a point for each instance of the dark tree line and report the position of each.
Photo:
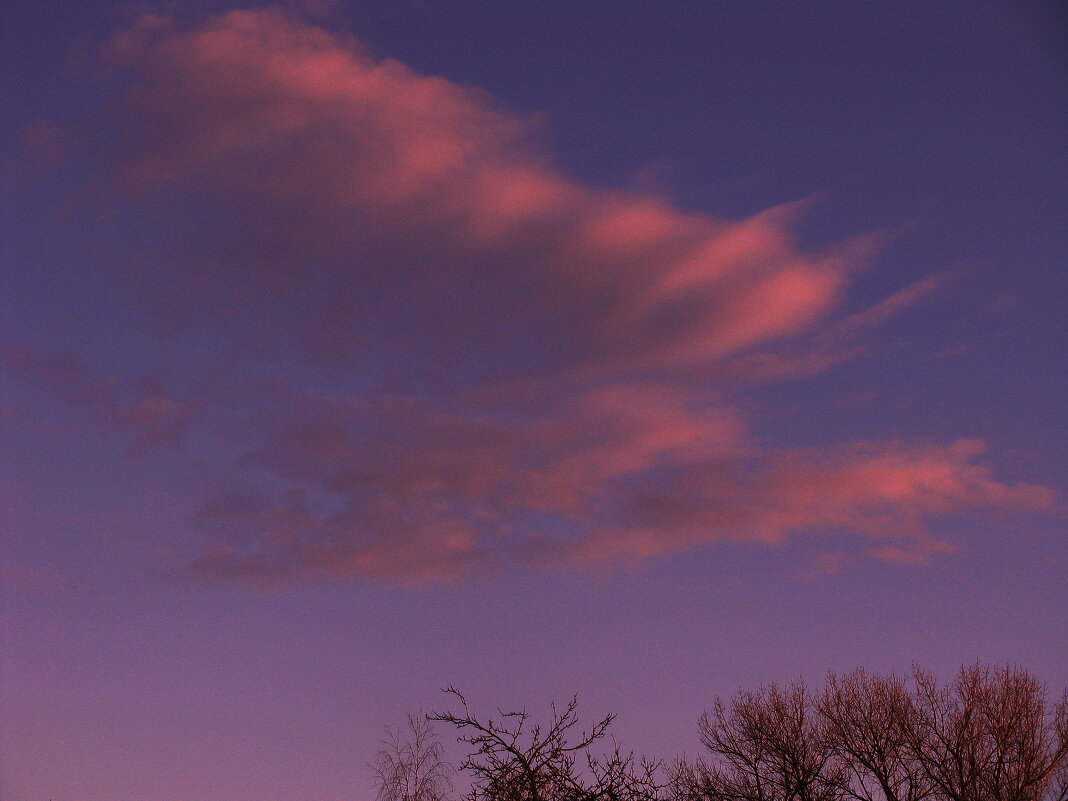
(991, 734)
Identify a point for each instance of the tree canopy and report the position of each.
(990, 734)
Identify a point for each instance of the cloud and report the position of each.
(312, 151)
(142, 405)
(443, 354)
(885, 491)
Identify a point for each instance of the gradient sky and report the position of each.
(643, 351)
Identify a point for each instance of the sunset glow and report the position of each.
(639, 351)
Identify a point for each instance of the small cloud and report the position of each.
(893, 305)
(917, 554)
(827, 564)
(142, 406)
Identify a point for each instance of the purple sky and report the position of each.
(644, 351)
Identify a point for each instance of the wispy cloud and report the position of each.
(141, 405)
(447, 354)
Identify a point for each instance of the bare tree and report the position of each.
(868, 719)
(767, 745)
(618, 776)
(988, 736)
(516, 759)
(412, 767)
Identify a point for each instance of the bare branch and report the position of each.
(412, 768)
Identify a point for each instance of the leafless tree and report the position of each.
(991, 734)
(412, 767)
(868, 719)
(516, 759)
(1058, 790)
(766, 745)
(988, 736)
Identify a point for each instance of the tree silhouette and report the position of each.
(517, 759)
(766, 745)
(412, 768)
(868, 719)
(990, 734)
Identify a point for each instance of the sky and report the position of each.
(640, 351)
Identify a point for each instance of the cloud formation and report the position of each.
(444, 354)
(142, 405)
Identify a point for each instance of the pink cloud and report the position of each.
(883, 491)
(618, 475)
(471, 357)
(255, 102)
(888, 489)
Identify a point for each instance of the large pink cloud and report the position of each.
(347, 148)
(443, 353)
